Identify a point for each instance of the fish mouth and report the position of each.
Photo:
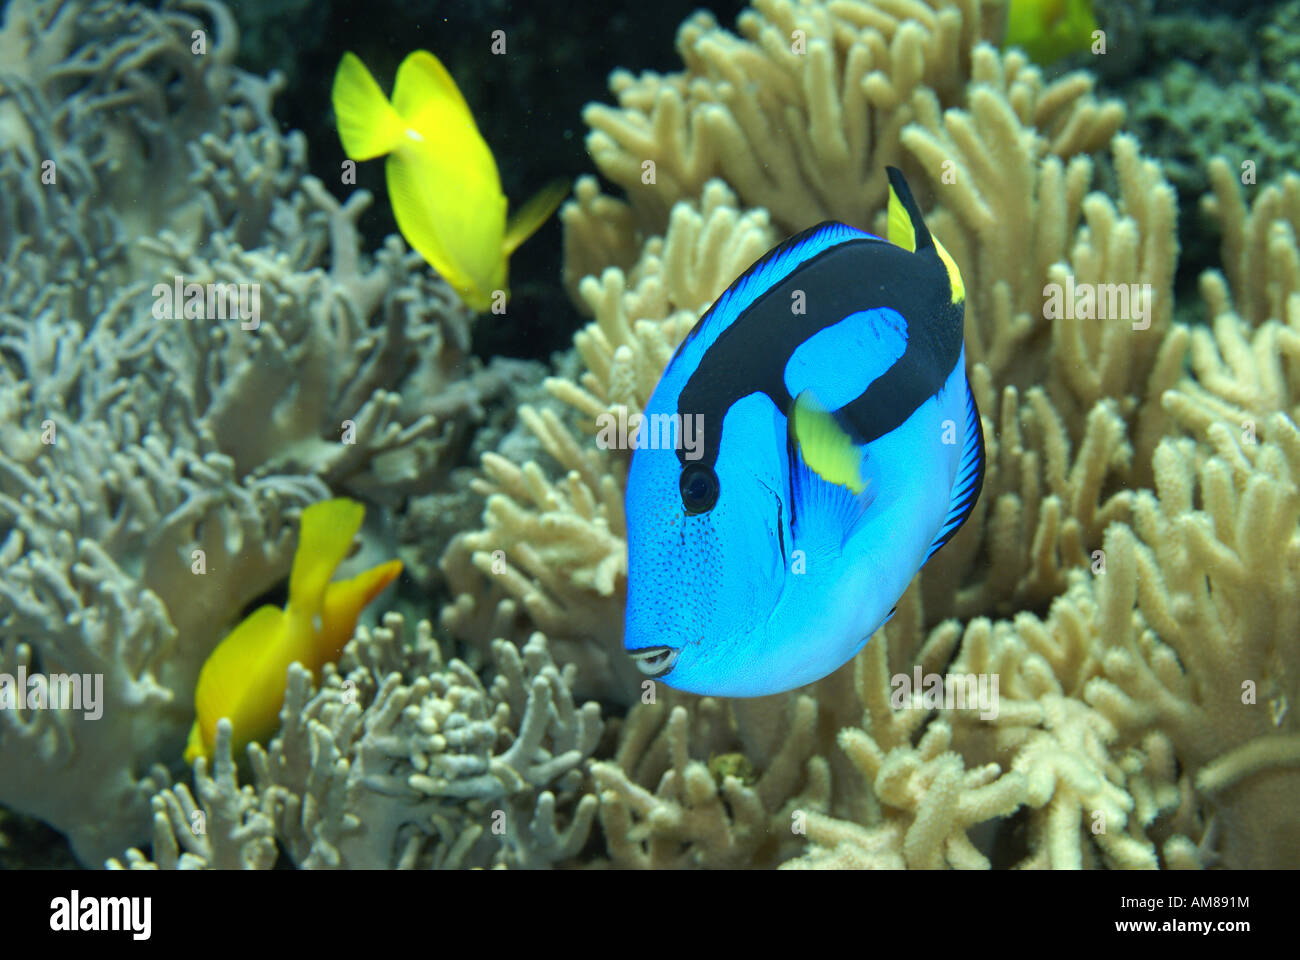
(654, 661)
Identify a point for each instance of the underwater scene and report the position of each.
(803, 434)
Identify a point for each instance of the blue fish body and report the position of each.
(810, 445)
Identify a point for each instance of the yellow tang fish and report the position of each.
(1048, 30)
(244, 677)
(442, 180)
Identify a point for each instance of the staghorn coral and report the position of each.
(400, 759)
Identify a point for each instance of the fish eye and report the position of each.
(654, 661)
(699, 487)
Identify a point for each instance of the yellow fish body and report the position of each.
(1048, 30)
(244, 678)
(442, 179)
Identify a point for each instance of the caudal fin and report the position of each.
(368, 125)
(907, 229)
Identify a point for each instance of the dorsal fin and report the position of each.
(968, 481)
(767, 272)
(324, 539)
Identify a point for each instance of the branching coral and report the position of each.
(668, 800)
(921, 802)
(400, 759)
(1128, 578)
(159, 450)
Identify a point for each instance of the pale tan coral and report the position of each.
(1213, 663)
(803, 109)
(921, 801)
(1246, 364)
(663, 807)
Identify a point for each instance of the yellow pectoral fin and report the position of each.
(525, 221)
(368, 125)
(826, 448)
(344, 601)
(324, 539)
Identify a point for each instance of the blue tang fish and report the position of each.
(832, 445)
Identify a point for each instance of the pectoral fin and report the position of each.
(829, 490)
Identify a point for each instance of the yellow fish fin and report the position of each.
(425, 91)
(900, 231)
(443, 182)
(525, 221)
(224, 680)
(1048, 30)
(195, 747)
(825, 447)
(344, 601)
(955, 282)
(368, 125)
(324, 539)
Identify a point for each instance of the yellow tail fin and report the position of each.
(899, 231)
(344, 601)
(368, 125)
(324, 539)
(525, 221)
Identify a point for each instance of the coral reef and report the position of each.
(157, 451)
(1128, 579)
